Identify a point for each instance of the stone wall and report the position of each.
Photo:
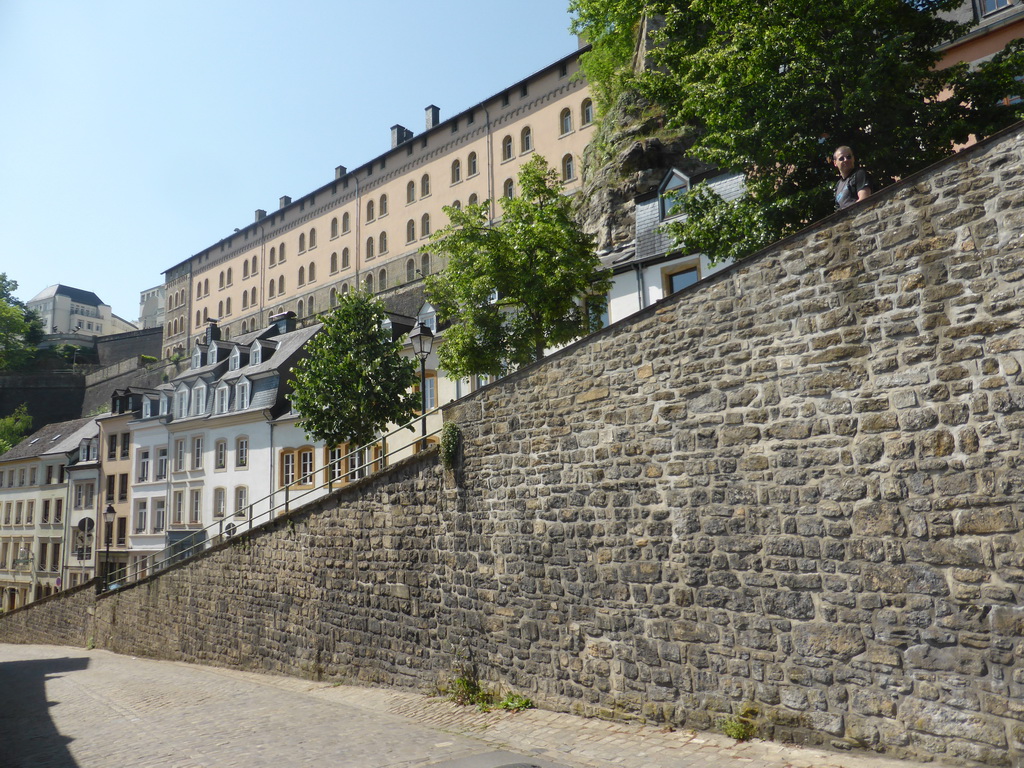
(51, 396)
(794, 489)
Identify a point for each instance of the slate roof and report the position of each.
(56, 438)
(77, 295)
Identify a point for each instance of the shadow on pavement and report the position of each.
(28, 736)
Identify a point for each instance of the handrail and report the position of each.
(199, 540)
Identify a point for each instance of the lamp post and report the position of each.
(422, 339)
(108, 521)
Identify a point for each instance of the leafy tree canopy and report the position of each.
(516, 287)
(354, 380)
(14, 427)
(773, 88)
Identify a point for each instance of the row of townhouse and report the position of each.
(169, 470)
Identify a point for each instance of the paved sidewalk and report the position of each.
(63, 707)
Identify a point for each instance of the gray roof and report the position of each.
(53, 439)
(77, 295)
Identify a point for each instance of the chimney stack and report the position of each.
(399, 135)
(340, 171)
(433, 116)
(284, 202)
(260, 214)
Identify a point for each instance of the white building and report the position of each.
(67, 310)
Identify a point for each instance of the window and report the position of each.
(58, 510)
(334, 227)
(287, 469)
(410, 270)
(111, 447)
(428, 316)
(197, 452)
(161, 464)
(312, 244)
(220, 454)
(178, 508)
(425, 264)
(255, 354)
(472, 199)
(568, 168)
(368, 283)
(245, 269)
(111, 488)
(280, 253)
(332, 298)
(526, 140)
(370, 210)
(302, 276)
(30, 510)
(143, 466)
(221, 399)
(345, 222)
(254, 265)
(425, 185)
(425, 225)
(199, 399)
(587, 112)
(280, 285)
(672, 192)
(677, 278)
(410, 231)
(306, 466)
(300, 310)
(456, 172)
(471, 167)
(122, 487)
(220, 309)
(369, 247)
(230, 281)
(410, 192)
(32, 474)
(46, 512)
(991, 6)
(334, 262)
(220, 502)
(334, 468)
(565, 122)
(159, 509)
(195, 507)
(382, 280)
(430, 389)
(382, 243)
(179, 455)
(457, 205)
(382, 208)
(140, 516)
(345, 261)
(242, 395)
(252, 298)
(181, 403)
(221, 281)
(506, 148)
(241, 501)
(509, 188)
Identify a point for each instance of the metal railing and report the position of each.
(297, 492)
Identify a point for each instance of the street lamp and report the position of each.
(108, 522)
(422, 339)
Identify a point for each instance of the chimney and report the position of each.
(399, 135)
(260, 214)
(340, 171)
(212, 333)
(433, 116)
(285, 322)
(284, 202)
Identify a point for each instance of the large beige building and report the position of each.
(367, 225)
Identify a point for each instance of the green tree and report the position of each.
(611, 28)
(14, 427)
(513, 288)
(353, 380)
(772, 88)
(20, 328)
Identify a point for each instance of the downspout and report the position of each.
(270, 432)
(641, 289)
(492, 207)
(359, 231)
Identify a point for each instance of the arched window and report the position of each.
(280, 253)
(568, 168)
(526, 140)
(344, 289)
(382, 243)
(344, 258)
(245, 300)
(369, 282)
(299, 312)
(312, 272)
(345, 226)
(199, 290)
(410, 231)
(230, 281)
(410, 192)
(302, 275)
(457, 205)
(206, 287)
(245, 327)
(369, 247)
(425, 185)
(425, 264)
(273, 256)
(280, 285)
(220, 309)
(382, 280)
(255, 266)
(334, 262)
(199, 318)
(506, 148)
(312, 238)
(410, 270)
(565, 122)
(302, 242)
(245, 269)
(221, 279)
(227, 306)
(252, 297)
(334, 227)
(425, 225)
(471, 169)
(383, 207)
(309, 305)
(509, 188)
(206, 314)
(473, 199)
(332, 298)
(587, 112)
(272, 289)
(370, 210)
(456, 171)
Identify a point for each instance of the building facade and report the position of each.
(66, 310)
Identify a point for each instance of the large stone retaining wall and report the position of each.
(793, 491)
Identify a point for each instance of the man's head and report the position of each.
(844, 161)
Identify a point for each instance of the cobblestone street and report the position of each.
(64, 707)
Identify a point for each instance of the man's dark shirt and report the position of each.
(847, 189)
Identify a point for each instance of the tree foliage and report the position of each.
(611, 28)
(14, 427)
(353, 380)
(516, 287)
(20, 329)
(772, 89)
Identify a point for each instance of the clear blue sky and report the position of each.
(135, 133)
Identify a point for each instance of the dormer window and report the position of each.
(147, 408)
(256, 354)
(197, 358)
(671, 194)
(199, 399)
(242, 394)
(222, 399)
(428, 316)
(181, 403)
(235, 359)
(164, 405)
